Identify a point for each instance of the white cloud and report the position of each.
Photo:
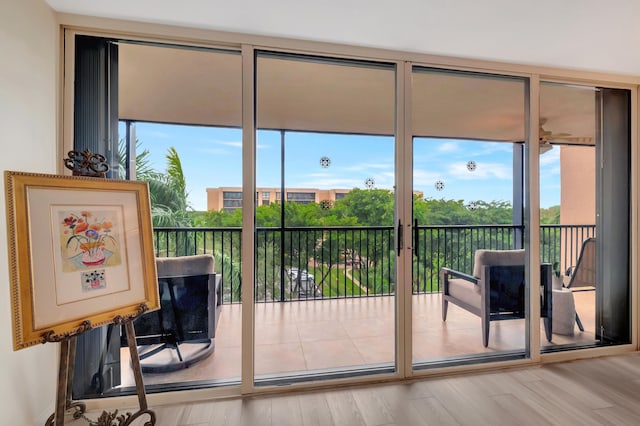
(153, 134)
(448, 146)
(551, 157)
(326, 180)
(368, 166)
(483, 170)
(328, 183)
(424, 177)
(550, 170)
(488, 148)
(233, 144)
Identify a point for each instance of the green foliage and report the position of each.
(168, 193)
(373, 207)
(365, 208)
(550, 216)
(455, 212)
(231, 277)
(217, 219)
(344, 262)
(144, 171)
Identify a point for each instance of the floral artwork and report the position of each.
(80, 254)
(89, 239)
(93, 280)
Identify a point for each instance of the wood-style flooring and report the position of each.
(601, 391)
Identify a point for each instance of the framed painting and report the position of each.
(80, 253)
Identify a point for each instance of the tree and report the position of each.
(169, 197)
(370, 207)
(167, 191)
(144, 170)
(456, 212)
(550, 216)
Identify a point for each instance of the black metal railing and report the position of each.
(324, 262)
(454, 247)
(223, 243)
(343, 262)
(560, 244)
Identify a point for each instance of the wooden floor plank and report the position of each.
(344, 408)
(225, 413)
(519, 410)
(315, 410)
(559, 406)
(468, 406)
(550, 407)
(256, 411)
(432, 412)
(617, 416)
(200, 412)
(373, 407)
(285, 411)
(600, 391)
(575, 389)
(399, 400)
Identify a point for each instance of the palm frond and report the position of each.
(175, 171)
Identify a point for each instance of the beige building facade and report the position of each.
(577, 185)
(230, 198)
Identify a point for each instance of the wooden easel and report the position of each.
(94, 165)
(64, 402)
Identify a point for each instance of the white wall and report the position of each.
(28, 102)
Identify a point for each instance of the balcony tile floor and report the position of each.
(333, 334)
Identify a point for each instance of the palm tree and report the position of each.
(168, 191)
(169, 196)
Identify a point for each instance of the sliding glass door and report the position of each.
(325, 205)
(468, 133)
(396, 213)
(584, 212)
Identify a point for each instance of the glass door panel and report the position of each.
(182, 130)
(179, 112)
(583, 208)
(325, 261)
(469, 281)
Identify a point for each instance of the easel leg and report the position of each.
(57, 418)
(135, 364)
(63, 375)
(137, 374)
(80, 407)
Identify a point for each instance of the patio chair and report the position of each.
(496, 291)
(582, 276)
(190, 304)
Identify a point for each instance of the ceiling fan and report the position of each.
(547, 136)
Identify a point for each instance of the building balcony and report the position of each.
(316, 336)
(335, 310)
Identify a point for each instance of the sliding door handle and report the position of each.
(416, 238)
(399, 238)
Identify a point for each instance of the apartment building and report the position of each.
(230, 198)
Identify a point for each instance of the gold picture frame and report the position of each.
(80, 254)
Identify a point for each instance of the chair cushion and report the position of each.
(185, 265)
(496, 258)
(465, 291)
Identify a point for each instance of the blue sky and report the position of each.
(212, 157)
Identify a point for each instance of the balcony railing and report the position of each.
(343, 262)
